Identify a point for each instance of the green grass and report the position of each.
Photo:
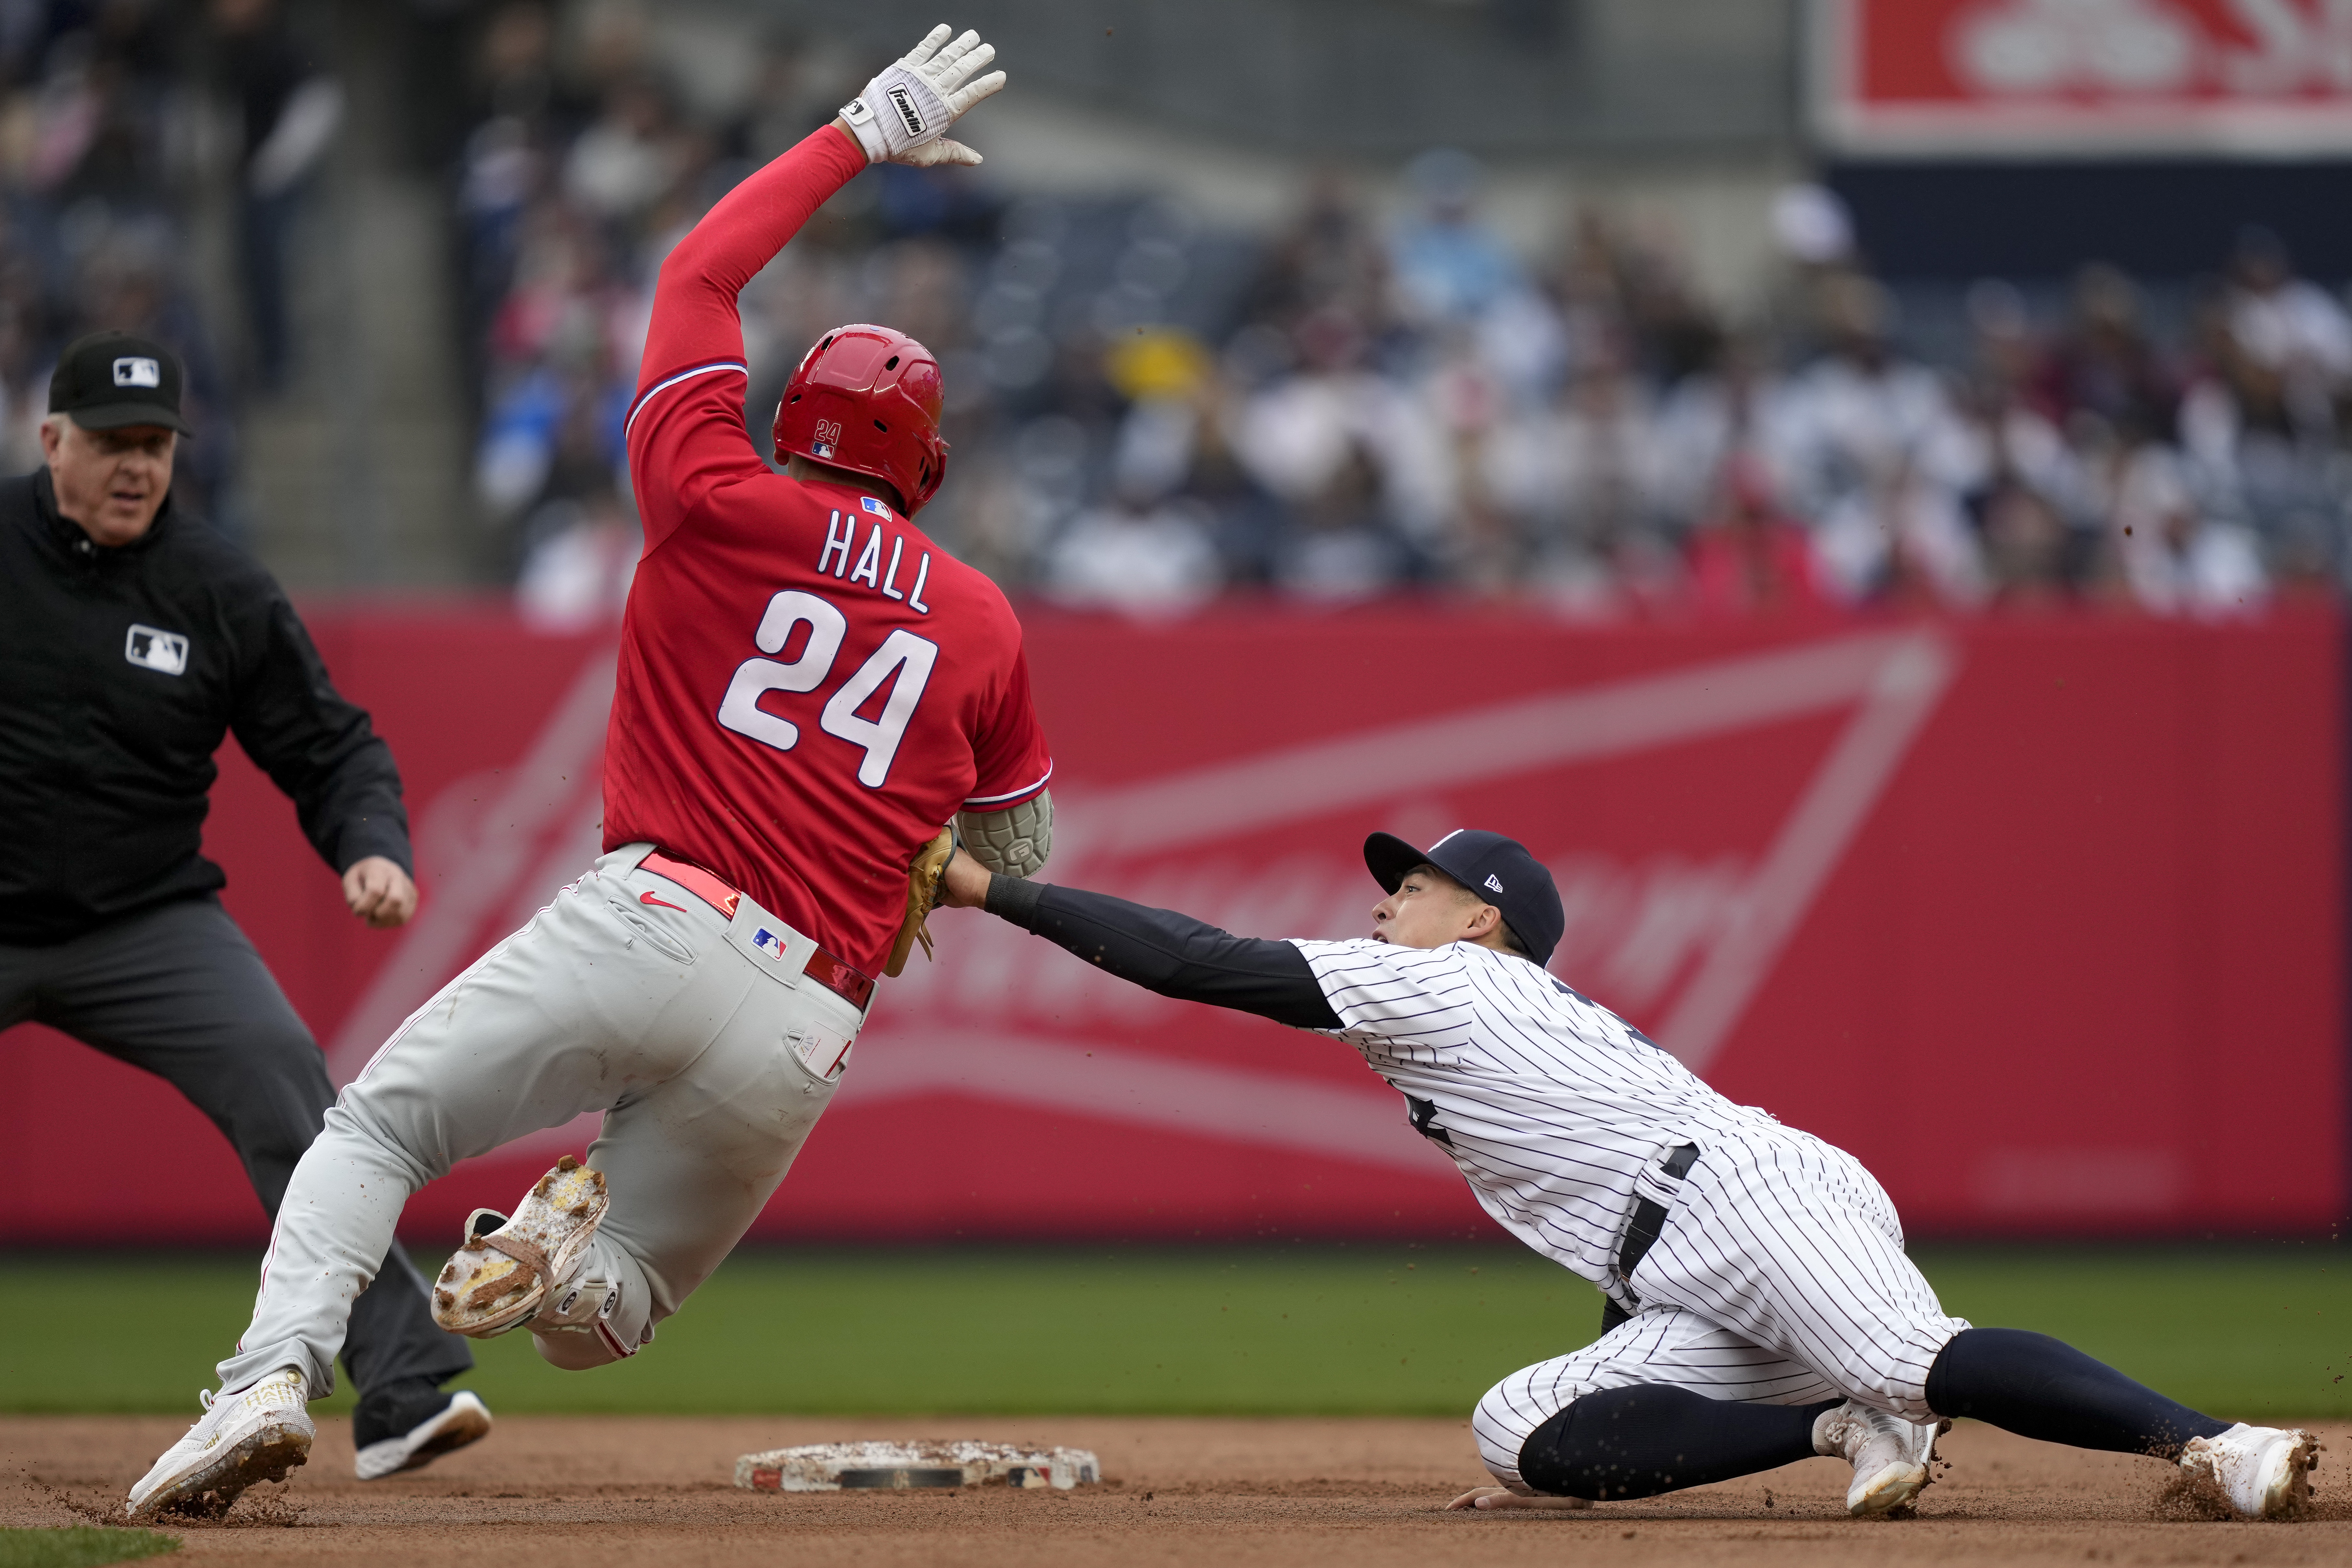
(1361, 1330)
(80, 1546)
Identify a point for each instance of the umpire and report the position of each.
(132, 639)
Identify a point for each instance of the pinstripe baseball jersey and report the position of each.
(1553, 1107)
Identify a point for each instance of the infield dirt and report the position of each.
(1180, 1490)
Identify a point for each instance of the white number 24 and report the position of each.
(902, 654)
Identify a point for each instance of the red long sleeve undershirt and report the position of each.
(697, 325)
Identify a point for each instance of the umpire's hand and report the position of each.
(379, 892)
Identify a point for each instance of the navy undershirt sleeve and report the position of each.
(1172, 954)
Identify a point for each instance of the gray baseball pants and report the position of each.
(708, 1052)
(179, 992)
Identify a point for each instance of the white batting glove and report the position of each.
(903, 115)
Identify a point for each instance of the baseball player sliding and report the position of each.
(808, 689)
(1760, 1306)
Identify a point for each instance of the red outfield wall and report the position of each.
(2043, 918)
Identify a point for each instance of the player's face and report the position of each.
(1428, 909)
(111, 482)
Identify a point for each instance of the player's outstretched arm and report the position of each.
(1159, 949)
(685, 431)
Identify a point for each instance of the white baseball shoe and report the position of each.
(1889, 1455)
(2260, 1470)
(499, 1278)
(255, 1434)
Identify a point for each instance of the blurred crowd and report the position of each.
(1145, 414)
(118, 119)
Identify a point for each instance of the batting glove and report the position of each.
(903, 114)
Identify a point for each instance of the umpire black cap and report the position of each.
(1499, 870)
(110, 380)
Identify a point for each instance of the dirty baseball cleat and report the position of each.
(498, 1279)
(412, 1434)
(2260, 1470)
(256, 1434)
(1889, 1455)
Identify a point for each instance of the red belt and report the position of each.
(822, 967)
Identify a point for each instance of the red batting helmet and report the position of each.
(867, 399)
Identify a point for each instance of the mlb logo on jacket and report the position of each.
(152, 649)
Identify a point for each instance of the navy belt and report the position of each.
(1642, 1234)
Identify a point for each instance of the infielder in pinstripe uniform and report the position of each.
(1760, 1308)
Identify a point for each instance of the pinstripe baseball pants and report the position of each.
(1778, 1278)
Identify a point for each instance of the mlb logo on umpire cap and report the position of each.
(138, 370)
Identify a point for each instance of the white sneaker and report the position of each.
(500, 1276)
(2260, 1470)
(1889, 1455)
(255, 1434)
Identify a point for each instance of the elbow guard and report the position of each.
(1013, 842)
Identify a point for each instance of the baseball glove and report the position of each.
(923, 879)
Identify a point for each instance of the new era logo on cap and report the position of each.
(137, 370)
(1493, 881)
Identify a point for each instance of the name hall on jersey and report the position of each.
(841, 538)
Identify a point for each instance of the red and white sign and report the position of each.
(2039, 917)
(2261, 77)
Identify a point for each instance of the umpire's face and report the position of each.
(111, 482)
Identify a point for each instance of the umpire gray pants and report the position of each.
(179, 992)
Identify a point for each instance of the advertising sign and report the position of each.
(2034, 77)
(2040, 917)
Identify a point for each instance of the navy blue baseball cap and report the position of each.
(1499, 870)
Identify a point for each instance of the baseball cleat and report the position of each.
(462, 1418)
(2260, 1470)
(500, 1276)
(1889, 1455)
(255, 1434)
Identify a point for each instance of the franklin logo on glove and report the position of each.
(908, 115)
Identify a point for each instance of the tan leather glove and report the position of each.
(922, 898)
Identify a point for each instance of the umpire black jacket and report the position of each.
(120, 671)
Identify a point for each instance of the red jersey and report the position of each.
(809, 688)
